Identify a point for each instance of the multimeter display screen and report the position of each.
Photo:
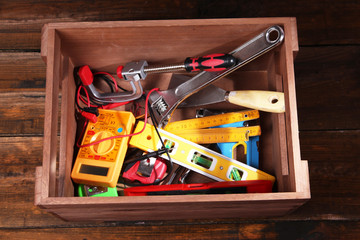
(94, 170)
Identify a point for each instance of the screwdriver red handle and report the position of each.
(210, 63)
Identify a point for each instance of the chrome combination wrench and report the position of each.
(165, 102)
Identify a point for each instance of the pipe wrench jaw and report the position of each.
(163, 103)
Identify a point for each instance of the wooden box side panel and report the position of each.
(299, 180)
(135, 209)
(280, 161)
(53, 73)
(67, 130)
(105, 46)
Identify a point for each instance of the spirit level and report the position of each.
(99, 164)
(227, 140)
(195, 157)
(212, 121)
(227, 136)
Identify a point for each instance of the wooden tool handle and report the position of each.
(267, 101)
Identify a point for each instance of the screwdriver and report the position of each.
(210, 63)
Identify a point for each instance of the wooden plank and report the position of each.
(51, 116)
(17, 183)
(22, 113)
(22, 71)
(20, 26)
(316, 24)
(327, 96)
(334, 179)
(241, 230)
(327, 86)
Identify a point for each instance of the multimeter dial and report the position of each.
(103, 147)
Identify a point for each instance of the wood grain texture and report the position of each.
(327, 87)
(21, 113)
(258, 230)
(17, 183)
(21, 23)
(333, 166)
(24, 71)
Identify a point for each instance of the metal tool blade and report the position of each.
(209, 95)
(260, 100)
(146, 167)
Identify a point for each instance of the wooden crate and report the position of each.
(104, 46)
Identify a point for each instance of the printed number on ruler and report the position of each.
(218, 135)
(212, 121)
(228, 136)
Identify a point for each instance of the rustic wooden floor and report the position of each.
(327, 71)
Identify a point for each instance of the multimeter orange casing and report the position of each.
(100, 164)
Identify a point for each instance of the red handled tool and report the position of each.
(145, 172)
(246, 186)
(210, 63)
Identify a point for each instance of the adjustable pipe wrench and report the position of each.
(165, 102)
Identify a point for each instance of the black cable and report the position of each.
(106, 78)
(147, 156)
(107, 81)
(76, 102)
(152, 116)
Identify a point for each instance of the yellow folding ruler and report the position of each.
(195, 130)
(219, 135)
(195, 157)
(211, 121)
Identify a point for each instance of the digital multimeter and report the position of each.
(99, 162)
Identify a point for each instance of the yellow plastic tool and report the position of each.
(218, 135)
(212, 121)
(195, 157)
(100, 164)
